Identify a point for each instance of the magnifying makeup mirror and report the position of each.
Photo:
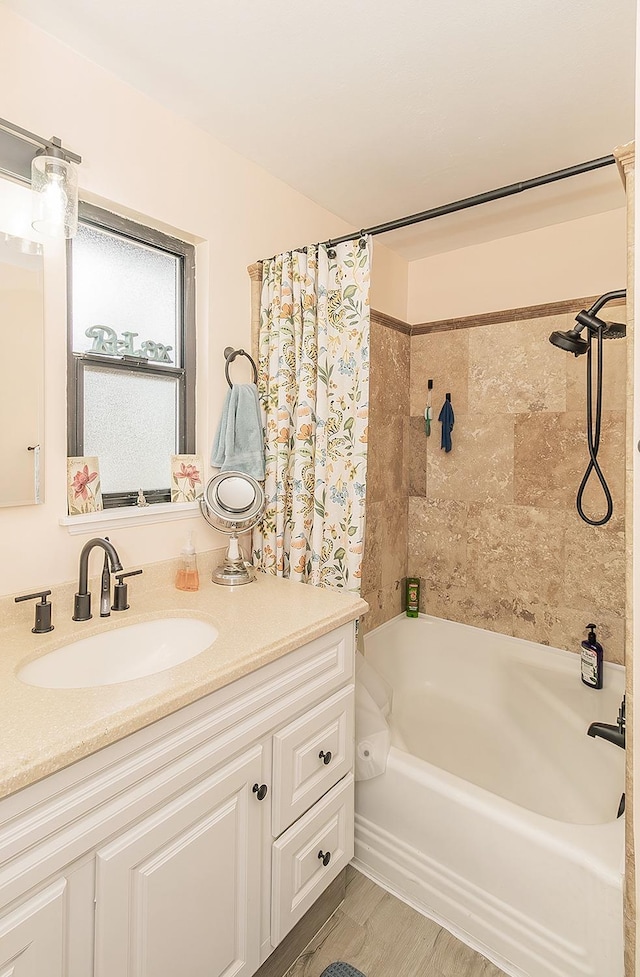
(232, 503)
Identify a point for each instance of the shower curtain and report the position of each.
(313, 383)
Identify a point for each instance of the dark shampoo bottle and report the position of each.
(592, 659)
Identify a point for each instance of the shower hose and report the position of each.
(593, 436)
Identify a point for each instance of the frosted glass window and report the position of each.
(127, 286)
(132, 380)
(130, 424)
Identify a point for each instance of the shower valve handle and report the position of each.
(622, 713)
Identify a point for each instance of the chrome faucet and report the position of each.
(612, 733)
(82, 600)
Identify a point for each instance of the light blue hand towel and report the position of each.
(239, 445)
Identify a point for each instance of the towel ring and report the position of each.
(230, 354)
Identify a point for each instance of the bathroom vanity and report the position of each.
(194, 844)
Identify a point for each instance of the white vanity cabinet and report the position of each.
(192, 846)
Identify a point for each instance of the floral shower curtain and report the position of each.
(313, 383)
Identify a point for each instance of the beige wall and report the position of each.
(145, 161)
(493, 528)
(580, 257)
(389, 281)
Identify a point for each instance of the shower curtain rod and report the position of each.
(478, 198)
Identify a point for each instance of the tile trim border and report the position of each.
(487, 318)
(382, 319)
(507, 315)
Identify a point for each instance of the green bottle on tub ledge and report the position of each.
(413, 596)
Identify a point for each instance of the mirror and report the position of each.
(235, 495)
(22, 353)
(232, 502)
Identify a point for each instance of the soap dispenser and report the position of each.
(187, 576)
(592, 660)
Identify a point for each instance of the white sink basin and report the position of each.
(121, 654)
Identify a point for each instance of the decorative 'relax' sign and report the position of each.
(105, 341)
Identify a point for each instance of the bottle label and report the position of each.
(413, 597)
(589, 663)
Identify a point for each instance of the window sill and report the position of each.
(127, 516)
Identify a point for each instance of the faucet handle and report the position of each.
(120, 591)
(43, 611)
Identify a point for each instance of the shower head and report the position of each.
(615, 330)
(572, 341)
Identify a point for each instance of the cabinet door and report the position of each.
(32, 935)
(179, 892)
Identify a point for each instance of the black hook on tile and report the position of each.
(448, 397)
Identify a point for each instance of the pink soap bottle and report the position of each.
(187, 577)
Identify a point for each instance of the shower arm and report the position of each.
(619, 293)
(588, 318)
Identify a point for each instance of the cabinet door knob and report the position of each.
(260, 790)
(325, 857)
(325, 757)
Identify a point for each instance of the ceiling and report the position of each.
(377, 109)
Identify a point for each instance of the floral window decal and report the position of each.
(186, 478)
(84, 494)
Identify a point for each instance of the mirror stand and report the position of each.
(232, 502)
(235, 570)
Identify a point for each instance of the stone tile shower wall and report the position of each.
(493, 531)
(384, 564)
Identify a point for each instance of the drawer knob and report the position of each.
(260, 790)
(325, 857)
(325, 757)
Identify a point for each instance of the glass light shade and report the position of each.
(54, 186)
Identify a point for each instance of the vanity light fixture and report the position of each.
(51, 170)
(54, 189)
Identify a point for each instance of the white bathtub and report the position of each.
(497, 813)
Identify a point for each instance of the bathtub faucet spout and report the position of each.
(612, 733)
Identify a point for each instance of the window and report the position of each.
(131, 375)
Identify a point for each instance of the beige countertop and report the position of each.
(44, 730)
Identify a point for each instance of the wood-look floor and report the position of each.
(381, 936)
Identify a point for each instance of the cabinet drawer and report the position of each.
(301, 775)
(299, 874)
